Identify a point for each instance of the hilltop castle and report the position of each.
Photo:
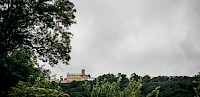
(75, 77)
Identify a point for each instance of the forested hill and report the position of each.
(170, 86)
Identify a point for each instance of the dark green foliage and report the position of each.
(14, 67)
(170, 86)
(18, 66)
(39, 25)
(74, 89)
(135, 77)
(124, 81)
(146, 78)
(107, 89)
(197, 89)
(40, 87)
(109, 77)
(30, 30)
(173, 86)
(112, 78)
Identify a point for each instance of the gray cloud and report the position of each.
(155, 37)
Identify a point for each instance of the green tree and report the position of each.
(107, 89)
(30, 30)
(146, 78)
(109, 77)
(133, 89)
(14, 67)
(171, 86)
(134, 76)
(38, 25)
(40, 87)
(197, 89)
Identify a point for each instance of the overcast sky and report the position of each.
(154, 37)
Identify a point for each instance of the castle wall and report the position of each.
(75, 77)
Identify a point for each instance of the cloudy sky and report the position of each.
(154, 37)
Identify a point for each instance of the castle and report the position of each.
(75, 77)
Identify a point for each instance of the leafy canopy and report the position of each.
(107, 89)
(40, 87)
(14, 67)
(39, 25)
(197, 89)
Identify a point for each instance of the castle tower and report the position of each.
(83, 71)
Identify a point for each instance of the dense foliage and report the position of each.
(31, 30)
(38, 25)
(107, 89)
(39, 87)
(170, 86)
(15, 67)
(197, 89)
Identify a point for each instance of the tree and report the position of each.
(173, 86)
(30, 30)
(124, 81)
(109, 77)
(38, 25)
(74, 89)
(146, 78)
(134, 76)
(107, 89)
(14, 67)
(40, 87)
(197, 89)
